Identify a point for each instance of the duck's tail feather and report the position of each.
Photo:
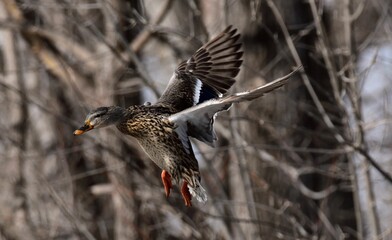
(198, 192)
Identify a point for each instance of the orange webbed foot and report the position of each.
(186, 194)
(166, 180)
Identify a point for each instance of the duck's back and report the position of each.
(144, 121)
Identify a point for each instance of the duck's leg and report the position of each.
(186, 194)
(166, 180)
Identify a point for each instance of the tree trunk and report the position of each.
(308, 161)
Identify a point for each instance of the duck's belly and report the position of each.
(157, 153)
(171, 158)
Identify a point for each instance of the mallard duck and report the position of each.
(187, 108)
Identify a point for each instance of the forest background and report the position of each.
(310, 161)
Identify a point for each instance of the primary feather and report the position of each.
(208, 74)
(198, 120)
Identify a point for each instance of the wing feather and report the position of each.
(198, 121)
(215, 65)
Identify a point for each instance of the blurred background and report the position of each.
(310, 161)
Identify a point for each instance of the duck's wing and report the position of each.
(208, 74)
(198, 120)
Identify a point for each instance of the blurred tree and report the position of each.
(306, 162)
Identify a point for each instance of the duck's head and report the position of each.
(101, 117)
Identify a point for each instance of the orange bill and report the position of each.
(83, 129)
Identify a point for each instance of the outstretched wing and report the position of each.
(198, 121)
(208, 74)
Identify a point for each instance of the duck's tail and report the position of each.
(198, 191)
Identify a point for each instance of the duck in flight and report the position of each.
(187, 108)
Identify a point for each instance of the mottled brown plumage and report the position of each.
(156, 135)
(186, 109)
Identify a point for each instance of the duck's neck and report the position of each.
(117, 115)
(133, 123)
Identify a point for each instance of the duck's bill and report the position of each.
(83, 129)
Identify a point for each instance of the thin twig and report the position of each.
(130, 55)
(316, 100)
(325, 52)
(243, 166)
(271, 225)
(297, 59)
(348, 41)
(68, 213)
(143, 37)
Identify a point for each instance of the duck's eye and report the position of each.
(98, 115)
(99, 112)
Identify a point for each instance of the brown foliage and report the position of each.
(284, 167)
